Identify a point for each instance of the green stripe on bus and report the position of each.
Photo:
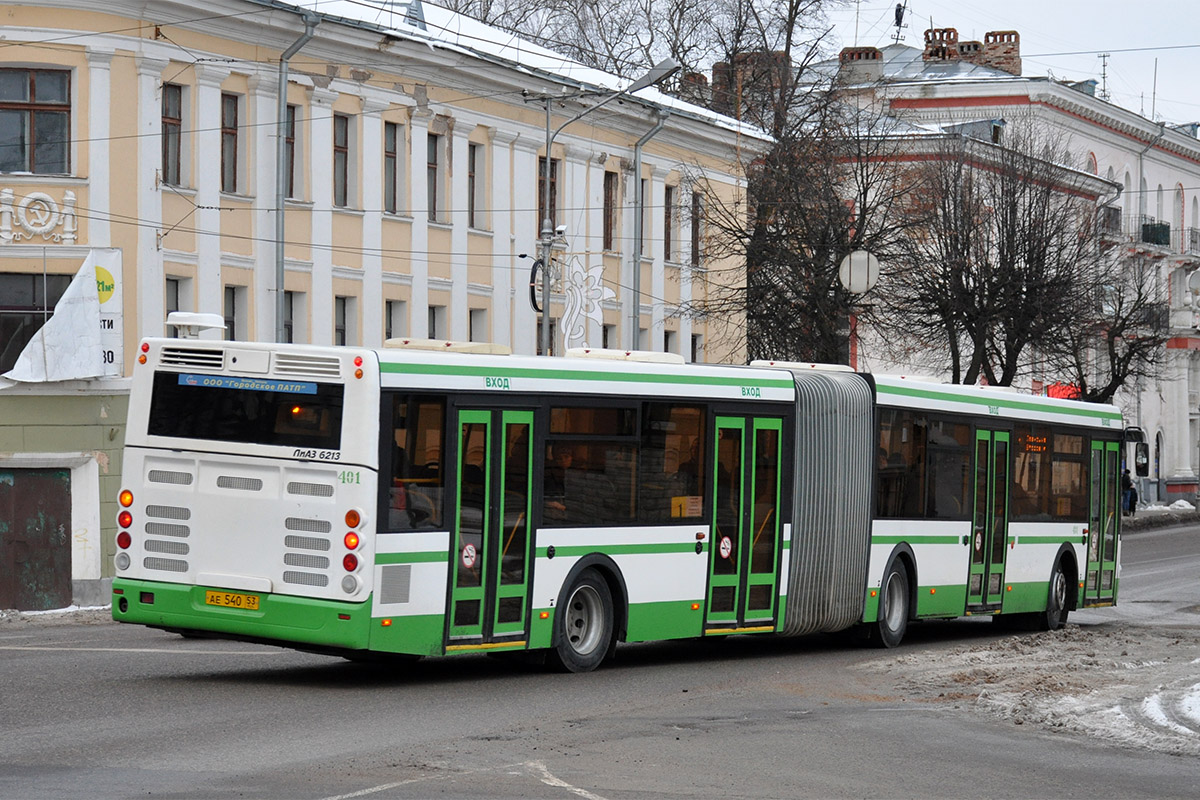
(622, 549)
(1017, 405)
(581, 375)
(410, 558)
(1077, 539)
(916, 539)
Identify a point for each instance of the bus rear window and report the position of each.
(226, 408)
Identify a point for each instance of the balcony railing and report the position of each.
(1155, 232)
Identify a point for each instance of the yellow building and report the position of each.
(140, 140)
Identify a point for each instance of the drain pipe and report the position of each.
(639, 203)
(311, 20)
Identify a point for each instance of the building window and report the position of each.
(478, 325)
(641, 242)
(172, 133)
(341, 160)
(289, 317)
(26, 302)
(697, 220)
(395, 319)
(553, 337)
(391, 164)
(472, 186)
(542, 193)
(608, 336)
(339, 320)
(234, 312)
(229, 143)
(171, 303)
(437, 322)
(697, 348)
(668, 223)
(670, 341)
(289, 152)
(610, 209)
(35, 120)
(433, 146)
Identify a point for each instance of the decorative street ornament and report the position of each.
(585, 291)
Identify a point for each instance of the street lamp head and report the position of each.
(657, 74)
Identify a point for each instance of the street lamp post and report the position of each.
(658, 73)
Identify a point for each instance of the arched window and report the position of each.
(1092, 165)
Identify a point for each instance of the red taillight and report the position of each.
(124, 519)
(124, 540)
(353, 518)
(358, 361)
(125, 498)
(350, 562)
(145, 347)
(351, 541)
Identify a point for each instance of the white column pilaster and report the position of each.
(460, 315)
(505, 304)
(656, 197)
(99, 232)
(418, 325)
(209, 295)
(372, 224)
(321, 169)
(594, 247)
(149, 269)
(262, 107)
(525, 236)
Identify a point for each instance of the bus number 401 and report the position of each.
(349, 477)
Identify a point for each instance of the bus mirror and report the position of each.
(1141, 459)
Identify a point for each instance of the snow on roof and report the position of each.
(442, 28)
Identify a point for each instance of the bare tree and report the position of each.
(1004, 257)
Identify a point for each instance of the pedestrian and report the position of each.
(1127, 494)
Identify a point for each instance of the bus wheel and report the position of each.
(1056, 612)
(583, 624)
(889, 630)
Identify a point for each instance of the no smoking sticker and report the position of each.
(726, 547)
(468, 556)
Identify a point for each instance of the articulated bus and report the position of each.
(363, 502)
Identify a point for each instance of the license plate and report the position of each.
(232, 600)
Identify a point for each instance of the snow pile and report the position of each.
(1124, 684)
(1181, 505)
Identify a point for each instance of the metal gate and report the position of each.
(35, 539)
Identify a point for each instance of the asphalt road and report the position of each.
(99, 711)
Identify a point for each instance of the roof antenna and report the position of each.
(901, 8)
(1104, 57)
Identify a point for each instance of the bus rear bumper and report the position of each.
(291, 621)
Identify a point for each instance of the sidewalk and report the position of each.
(1154, 517)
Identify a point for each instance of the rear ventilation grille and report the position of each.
(310, 489)
(306, 543)
(394, 583)
(189, 357)
(313, 366)
(171, 548)
(305, 578)
(166, 564)
(309, 525)
(166, 476)
(167, 529)
(238, 482)
(305, 560)
(168, 512)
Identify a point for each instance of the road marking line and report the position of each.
(381, 788)
(550, 780)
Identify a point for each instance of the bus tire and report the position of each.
(583, 624)
(892, 620)
(1055, 615)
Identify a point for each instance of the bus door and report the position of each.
(989, 532)
(746, 528)
(1101, 581)
(488, 598)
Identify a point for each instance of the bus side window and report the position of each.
(417, 490)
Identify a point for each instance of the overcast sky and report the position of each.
(1052, 27)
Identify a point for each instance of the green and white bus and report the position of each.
(431, 499)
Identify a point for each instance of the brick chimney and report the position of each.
(971, 52)
(861, 64)
(1002, 50)
(941, 44)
